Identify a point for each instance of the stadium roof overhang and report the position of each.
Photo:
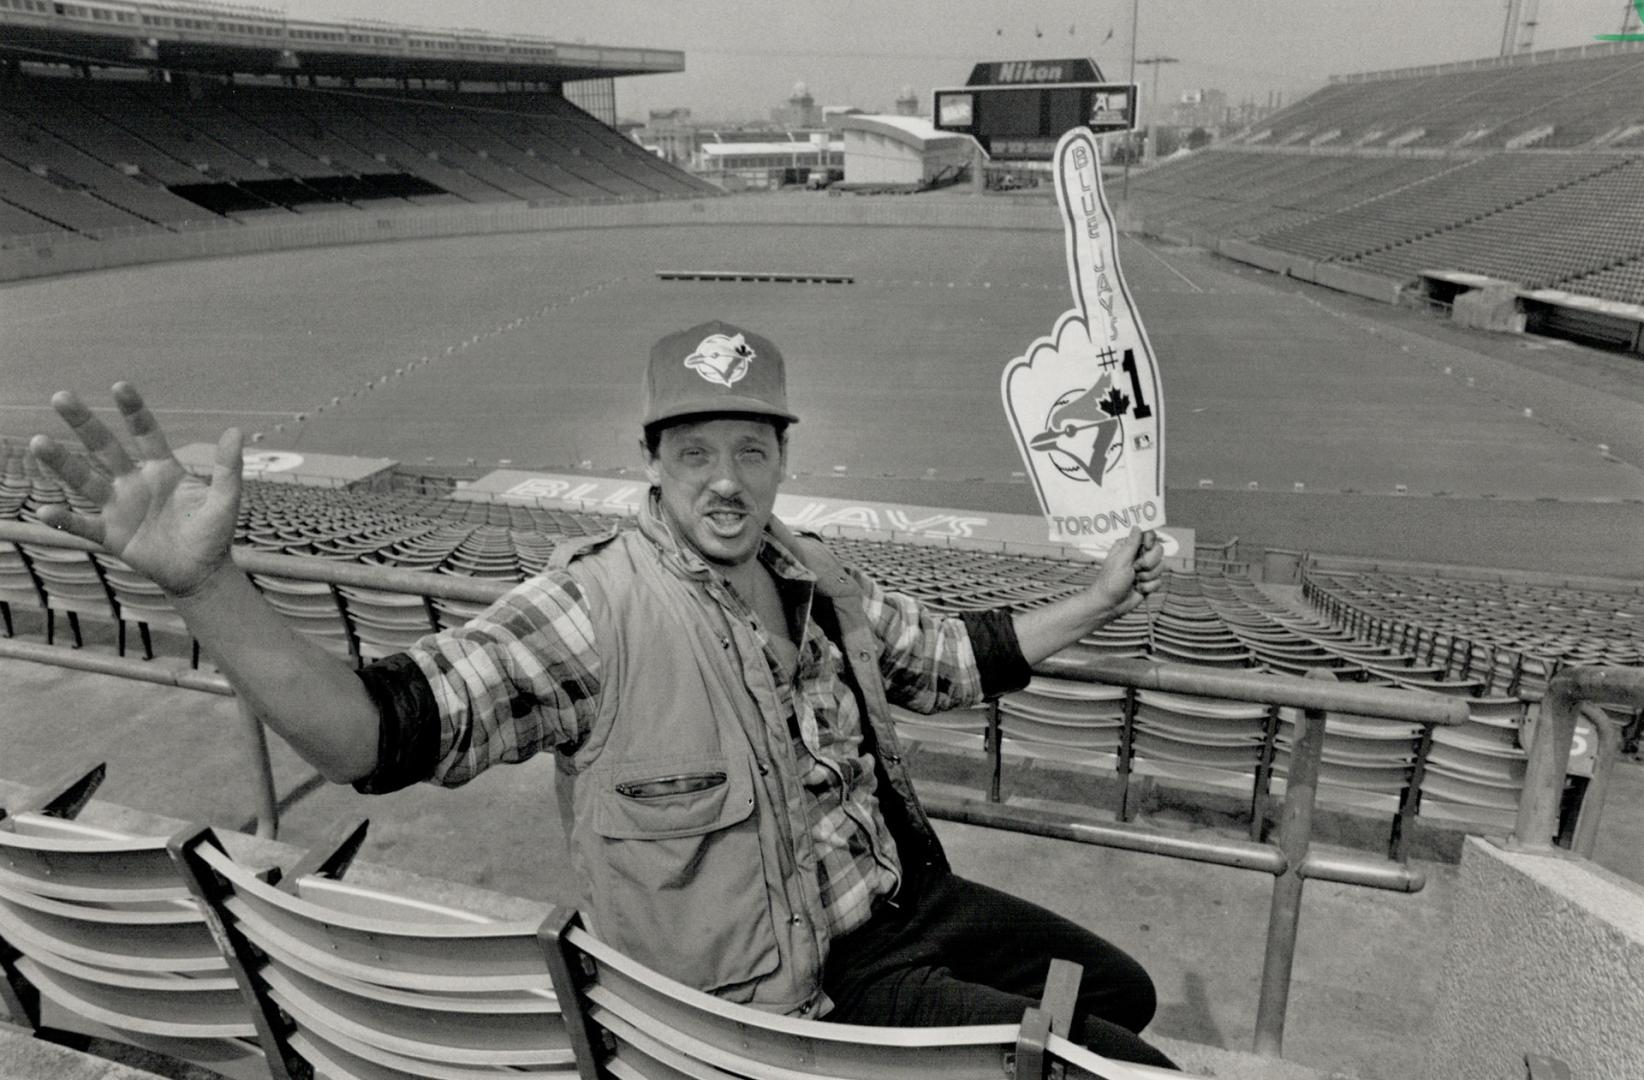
(251, 42)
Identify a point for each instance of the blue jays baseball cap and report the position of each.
(715, 368)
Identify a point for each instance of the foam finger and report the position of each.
(92, 433)
(72, 471)
(145, 430)
(1084, 218)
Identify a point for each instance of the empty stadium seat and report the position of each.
(358, 982)
(108, 943)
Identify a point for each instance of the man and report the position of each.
(716, 690)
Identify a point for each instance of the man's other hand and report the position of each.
(154, 515)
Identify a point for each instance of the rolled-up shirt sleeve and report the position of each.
(936, 662)
(521, 676)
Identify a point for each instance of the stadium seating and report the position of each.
(180, 948)
(359, 982)
(362, 983)
(1464, 192)
(653, 1026)
(1494, 643)
(1623, 281)
(1525, 171)
(98, 936)
(1554, 237)
(100, 157)
(1505, 639)
(1582, 99)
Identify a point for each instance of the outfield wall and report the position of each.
(48, 256)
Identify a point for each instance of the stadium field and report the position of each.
(526, 348)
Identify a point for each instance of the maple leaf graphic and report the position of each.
(1115, 403)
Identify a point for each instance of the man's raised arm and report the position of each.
(176, 529)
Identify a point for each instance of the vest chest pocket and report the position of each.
(681, 884)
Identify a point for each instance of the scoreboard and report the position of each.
(1018, 109)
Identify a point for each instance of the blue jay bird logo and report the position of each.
(1084, 433)
(722, 359)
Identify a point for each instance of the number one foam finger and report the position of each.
(1084, 403)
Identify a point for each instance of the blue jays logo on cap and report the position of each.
(722, 359)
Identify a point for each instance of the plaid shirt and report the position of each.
(525, 675)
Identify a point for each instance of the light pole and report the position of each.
(1155, 62)
(1135, 5)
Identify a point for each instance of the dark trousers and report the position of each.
(962, 953)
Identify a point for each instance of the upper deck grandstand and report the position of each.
(322, 117)
(1525, 169)
(1391, 506)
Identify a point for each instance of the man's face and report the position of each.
(718, 479)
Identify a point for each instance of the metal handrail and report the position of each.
(329, 571)
(1412, 706)
(1289, 858)
(1384, 629)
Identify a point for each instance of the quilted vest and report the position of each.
(683, 807)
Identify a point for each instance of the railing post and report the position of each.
(1410, 798)
(995, 750)
(1284, 915)
(1127, 733)
(1608, 733)
(268, 812)
(1538, 807)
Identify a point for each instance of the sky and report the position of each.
(743, 57)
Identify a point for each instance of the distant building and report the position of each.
(833, 117)
(907, 102)
(749, 166)
(1201, 109)
(902, 150)
(800, 111)
(670, 134)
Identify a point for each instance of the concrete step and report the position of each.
(23, 1057)
(1213, 1061)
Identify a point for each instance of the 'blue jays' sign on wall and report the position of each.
(1084, 403)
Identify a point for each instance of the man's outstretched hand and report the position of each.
(154, 515)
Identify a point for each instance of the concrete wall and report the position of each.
(1280, 262)
(1547, 957)
(1330, 275)
(321, 230)
(1358, 283)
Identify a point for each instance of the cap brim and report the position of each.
(742, 406)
